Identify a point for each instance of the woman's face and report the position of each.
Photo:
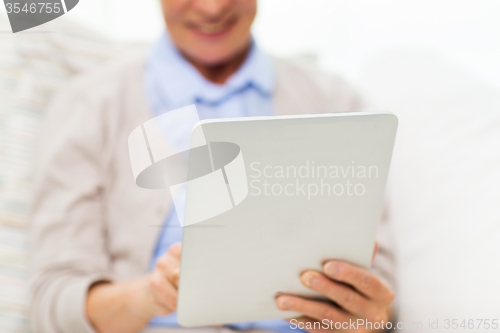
(210, 32)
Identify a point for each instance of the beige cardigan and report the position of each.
(89, 220)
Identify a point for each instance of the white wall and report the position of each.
(135, 20)
(346, 33)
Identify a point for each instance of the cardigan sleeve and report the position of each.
(67, 234)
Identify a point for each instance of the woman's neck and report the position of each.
(219, 73)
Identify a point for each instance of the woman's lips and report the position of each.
(212, 29)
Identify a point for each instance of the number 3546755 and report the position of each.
(33, 8)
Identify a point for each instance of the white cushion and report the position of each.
(32, 67)
(444, 188)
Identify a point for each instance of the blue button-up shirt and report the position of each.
(172, 82)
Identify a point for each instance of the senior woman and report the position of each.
(98, 264)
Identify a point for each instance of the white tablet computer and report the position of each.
(301, 190)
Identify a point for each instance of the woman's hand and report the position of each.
(163, 282)
(127, 307)
(360, 296)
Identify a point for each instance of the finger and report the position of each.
(174, 277)
(170, 261)
(313, 309)
(360, 279)
(164, 294)
(169, 266)
(175, 250)
(375, 250)
(346, 297)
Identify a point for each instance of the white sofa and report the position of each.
(444, 189)
(32, 67)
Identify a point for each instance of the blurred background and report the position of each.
(435, 63)
(343, 35)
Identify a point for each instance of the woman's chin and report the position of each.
(214, 60)
(211, 55)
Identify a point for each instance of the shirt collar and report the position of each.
(181, 84)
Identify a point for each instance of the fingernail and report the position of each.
(285, 303)
(331, 268)
(310, 279)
